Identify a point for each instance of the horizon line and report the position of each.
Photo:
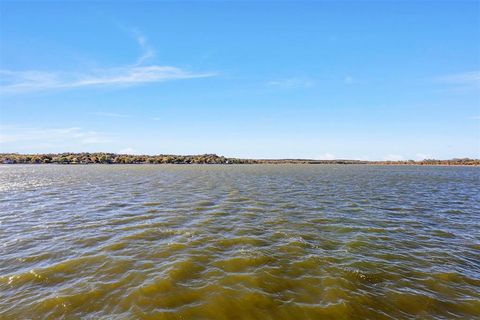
(3, 154)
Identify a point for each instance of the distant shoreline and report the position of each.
(245, 164)
(113, 158)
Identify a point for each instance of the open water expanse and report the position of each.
(239, 242)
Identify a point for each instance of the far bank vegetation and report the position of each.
(113, 158)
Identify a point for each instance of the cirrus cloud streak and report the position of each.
(28, 81)
(10, 135)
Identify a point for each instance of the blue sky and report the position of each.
(358, 80)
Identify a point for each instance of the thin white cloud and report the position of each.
(463, 80)
(326, 156)
(13, 81)
(147, 51)
(27, 81)
(292, 83)
(52, 136)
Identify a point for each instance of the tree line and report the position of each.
(110, 158)
(113, 158)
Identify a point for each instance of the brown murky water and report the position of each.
(239, 242)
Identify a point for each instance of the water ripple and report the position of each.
(239, 242)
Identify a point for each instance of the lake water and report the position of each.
(239, 242)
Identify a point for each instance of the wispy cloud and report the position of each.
(27, 81)
(13, 81)
(464, 80)
(71, 135)
(294, 82)
(147, 50)
(326, 156)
